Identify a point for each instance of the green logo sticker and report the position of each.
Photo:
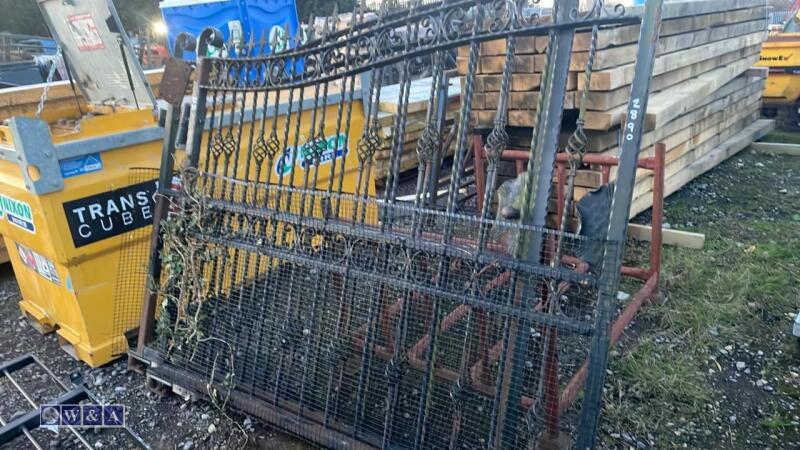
(17, 212)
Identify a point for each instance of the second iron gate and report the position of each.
(291, 287)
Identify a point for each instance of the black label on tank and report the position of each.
(110, 214)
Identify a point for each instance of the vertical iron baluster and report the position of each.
(618, 223)
(319, 145)
(396, 368)
(292, 161)
(294, 62)
(259, 151)
(535, 197)
(348, 115)
(211, 136)
(371, 145)
(495, 144)
(398, 134)
(312, 149)
(198, 115)
(373, 141)
(540, 166)
(239, 227)
(429, 142)
(452, 202)
(334, 350)
(268, 149)
(348, 86)
(250, 232)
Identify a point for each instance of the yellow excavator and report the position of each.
(781, 53)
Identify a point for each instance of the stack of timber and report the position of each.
(416, 117)
(704, 97)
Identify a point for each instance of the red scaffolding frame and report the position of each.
(649, 275)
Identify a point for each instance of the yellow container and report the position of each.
(68, 208)
(78, 189)
(72, 220)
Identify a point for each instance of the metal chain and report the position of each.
(49, 81)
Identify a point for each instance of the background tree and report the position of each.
(23, 16)
(306, 8)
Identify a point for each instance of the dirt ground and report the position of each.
(712, 366)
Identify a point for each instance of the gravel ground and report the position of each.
(714, 365)
(751, 383)
(168, 423)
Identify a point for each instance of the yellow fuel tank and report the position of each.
(77, 201)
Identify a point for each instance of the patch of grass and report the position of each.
(739, 288)
(656, 387)
(664, 378)
(783, 137)
(776, 422)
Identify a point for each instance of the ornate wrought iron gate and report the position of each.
(295, 290)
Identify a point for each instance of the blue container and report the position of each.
(251, 18)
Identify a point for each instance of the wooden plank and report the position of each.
(730, 147)
(688, 8)
(708, 15)
(681, 98)
(23, 100)
(521, 118)
(522, 100)
(671, 103)
(699, 140)
(524, 45)
(618, 56)
(617, 77)
(606, 100)
(669, 236)
(522, 82)
(683, 155)
(776, 148)
(724, 99)
(482, 119)
(496, 64)
(419, 95)
(527, 117)
(708, 140)
(618, 36)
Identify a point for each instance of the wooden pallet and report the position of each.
(705, 98)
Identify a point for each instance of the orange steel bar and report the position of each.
(577, 381)
(648, 291)
(658, 209)
(606, 170)
(489, 355)
(520, 166)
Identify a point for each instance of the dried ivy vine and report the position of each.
(185, 289)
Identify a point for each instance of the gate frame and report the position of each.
(542, 155)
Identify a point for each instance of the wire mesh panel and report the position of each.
(132, 273)
(356, 317)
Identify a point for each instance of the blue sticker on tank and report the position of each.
(81, 165)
